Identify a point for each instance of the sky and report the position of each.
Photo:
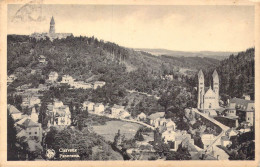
(182, 28)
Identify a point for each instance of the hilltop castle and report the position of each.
(210, 99)
(52, 34)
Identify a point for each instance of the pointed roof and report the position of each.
(200, 74)
(52, 20)
(209, 92)
(215, 74)
(29, 123)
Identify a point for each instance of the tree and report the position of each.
(139, 136)
(12, 151)
(43, 115)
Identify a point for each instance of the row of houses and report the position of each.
(67, 79)
(27, 126)
(114, 112)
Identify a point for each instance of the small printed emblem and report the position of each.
(50, 153)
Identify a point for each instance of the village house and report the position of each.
(30, 129)
(99, 84)
(169, 124)
(225, 141)
(11, 78)
(42, 59)
(15, 113)
(43, 87)
(245, 109)
(141, 117)
(67, 79)
(124, 114)
(99, 108)
(82, 85)
(231, 132)
(60, 114)
(34, 100)
(116, 110)
(169, 77)
(154, 118)
(207, 139)
(89, 106)
(168, 135)
(53, 76)
(175, 138)
(231, 110)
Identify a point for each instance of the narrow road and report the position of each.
(222, 154)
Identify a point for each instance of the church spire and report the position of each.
(52, 20)
(52, 26)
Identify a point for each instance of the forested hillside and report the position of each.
(87, 58)
(237, 74)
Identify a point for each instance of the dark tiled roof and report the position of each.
(243, 105)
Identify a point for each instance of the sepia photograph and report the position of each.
(127, 82)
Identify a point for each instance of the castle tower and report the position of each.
(52, 26)
(201, 90)
(216, 86)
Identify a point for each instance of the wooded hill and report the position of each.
(237, 74)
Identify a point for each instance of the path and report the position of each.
(222, 154)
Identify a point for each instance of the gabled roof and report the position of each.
(156, 115)
(243, 105)
(215, 74)
(29, 123)
(12, 109)
(209, 92)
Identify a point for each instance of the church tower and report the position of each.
(201, 90)
(52, 26)
(216, 85)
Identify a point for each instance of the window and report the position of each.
(30, 133)
(36, 133)
(248, 118)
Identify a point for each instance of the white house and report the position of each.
(88, 105)
(31, 129)
(34, 100)
(53, 76)
(60, 114)
(116, 110)
(155, 118)
(99, 108)
(168, 135)
(99, 84)
(67, 79)
(124, 114)
(42, 59)
(81, 84)
(141, 117)
(170, 124)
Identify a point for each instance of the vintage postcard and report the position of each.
(129, 83)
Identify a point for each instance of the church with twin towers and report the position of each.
(208, 98)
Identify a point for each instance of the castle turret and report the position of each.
(201, 89)
(52, 26)
(216, 85)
